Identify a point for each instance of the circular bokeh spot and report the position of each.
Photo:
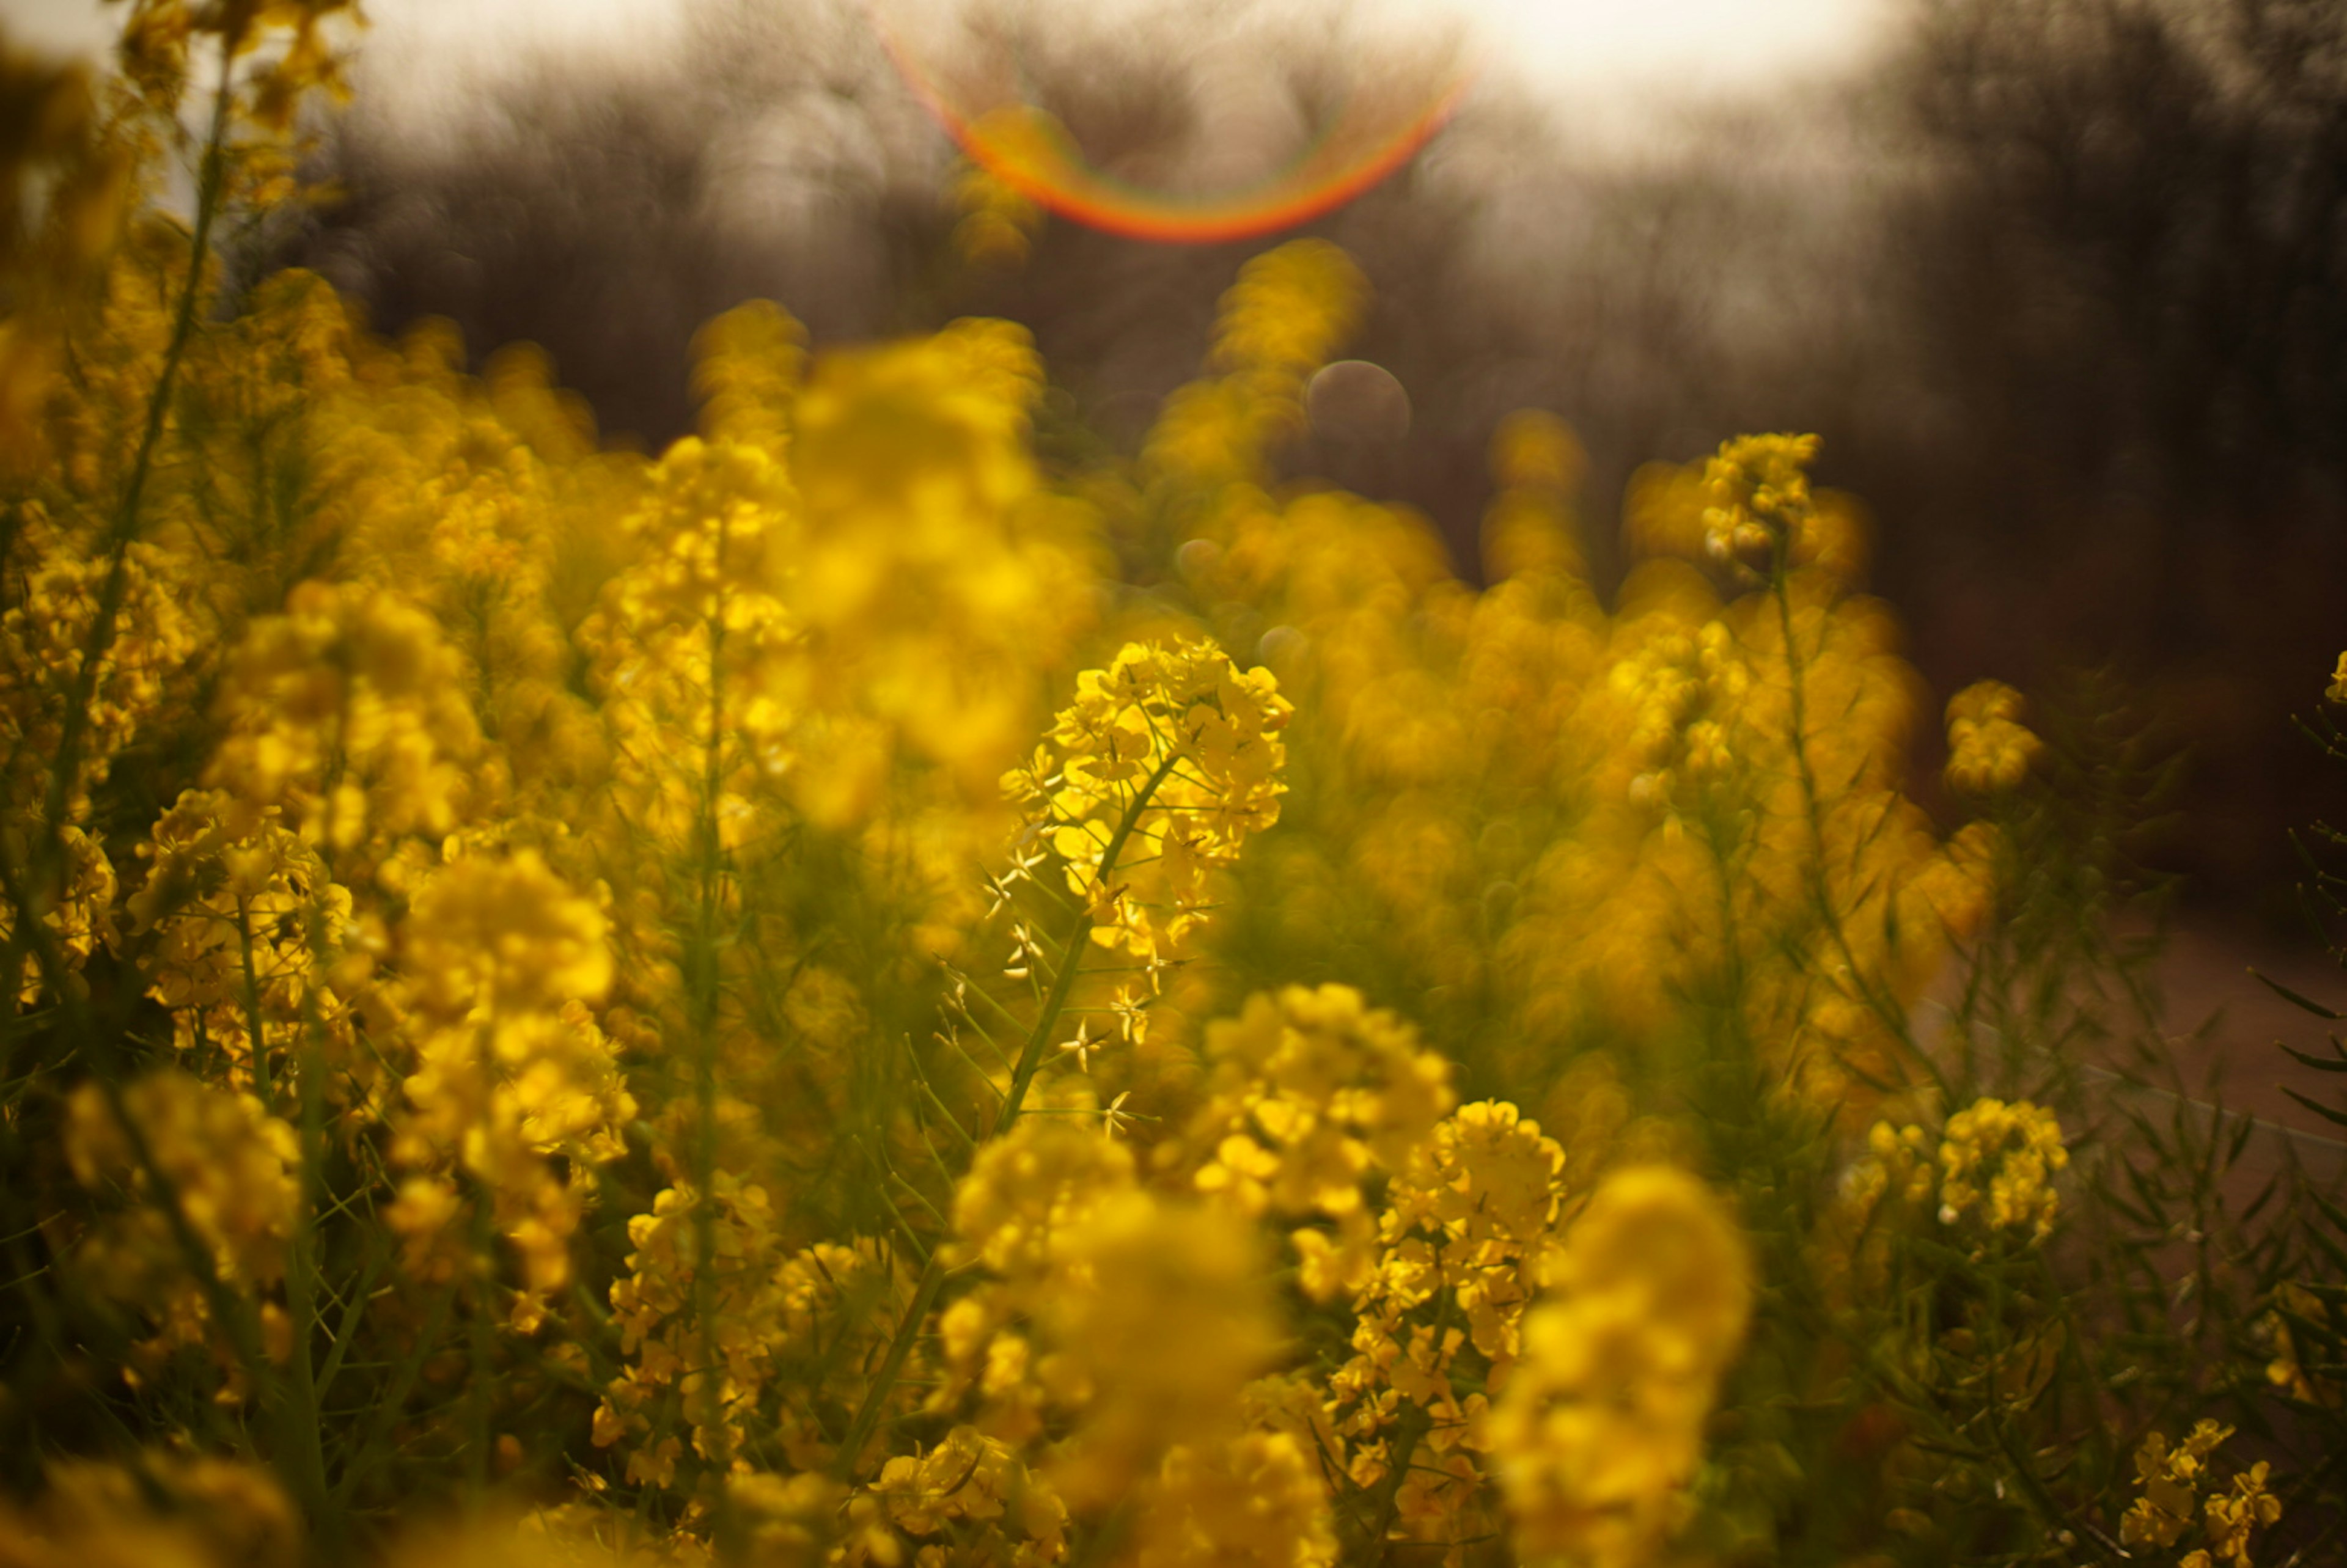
(1354, 400)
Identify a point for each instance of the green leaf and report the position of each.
(2319, 1110)
(2316, 1008)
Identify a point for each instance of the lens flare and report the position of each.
(1367, 137)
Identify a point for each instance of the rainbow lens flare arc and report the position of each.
(1031, 152)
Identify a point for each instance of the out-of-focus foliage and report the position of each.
(853, 993)
(2058, 283)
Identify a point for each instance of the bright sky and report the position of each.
(1621, 49)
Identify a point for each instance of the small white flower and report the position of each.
(1023, 953)
(1113, 1115)
(1081, 1046)
(1132, 1016)
(997, 896)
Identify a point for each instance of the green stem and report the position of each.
(30, 893)
(1893, 1017)
(908, 1329)
(1031, 1060)
(253, 1025)
(303, 1438)
(1030, 1056)
(65, 772)
(1411, 1427)
(481, 1336)
(702, 1000)
(230, 1310)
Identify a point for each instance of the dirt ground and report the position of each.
(2226, 1031)
(2229, 1028)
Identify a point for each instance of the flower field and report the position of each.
(855, 993)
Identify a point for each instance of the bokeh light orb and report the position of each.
(1354, 400)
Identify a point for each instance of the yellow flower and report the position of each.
(1757, 488)
(1600, 1427)
(1186, 742)
(1999, 1159)
(1045, 1177)
(1159, 1323)
(971, 1481)
(1254, 1500)
(2171, 1479)
(501, 963)
(1988, 749)
(231, 1169)
(2233, 1517)
(246, 928)
(1311, 1091)
(154, 1508)
(1286, 314)
(348, 713)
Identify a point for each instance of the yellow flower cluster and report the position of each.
(1022, 1196)
(2287, 1370)
(969, 1481)
(689, 641)
(158, 1510)
(1897, 1160)
(44, 637)
(2000, 1160)
(188, 1156)
(1154, 776)
(673, 1356)
(1599, 1431)
(1989, 750)
(76, 916)
(2172, 1479)
(1310, 1094)
(62, 198)
(1574, 817)
(796, 598)
(1758, 491)
(1992, 1161)
(244, 926)
(1255, 1501)
(1278, 323)
(513, 1090)
(2231, 1518)
(1467, 1223)
(711, 1358)
(535, 826)
(1136, 1318)
(1166, 1321)
(348, 714)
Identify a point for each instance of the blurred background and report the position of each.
(2062, 283)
